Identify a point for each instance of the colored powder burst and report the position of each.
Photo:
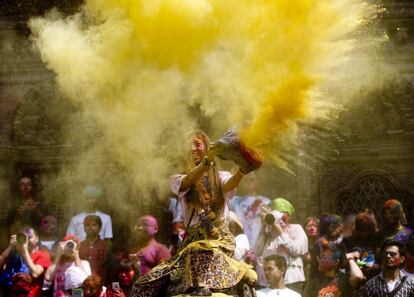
(139, 68)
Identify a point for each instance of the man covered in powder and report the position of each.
(391, 281)
(151, 252)
(394, 223)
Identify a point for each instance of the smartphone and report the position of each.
(77, 292)
(116, 287)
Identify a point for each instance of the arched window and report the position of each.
(371, 192)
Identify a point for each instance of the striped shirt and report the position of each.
(377, 287)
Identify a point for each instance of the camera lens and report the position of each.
(21, 238)
(269, 219)
(70, 245)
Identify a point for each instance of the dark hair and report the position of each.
(337, 249)
(396, 208)
(365, 221)
(95, 218)
(280, 262)
(328, 223)
(409, 248)
(309, 219)
(391, 242)
(125, 265)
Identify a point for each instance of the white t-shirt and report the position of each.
(268, 292)
(187, 209)
(76, 225)
(242, 246)
(69, 276)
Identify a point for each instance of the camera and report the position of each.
(269, 219)
(70, 245)
(272, 217)
(21, 238)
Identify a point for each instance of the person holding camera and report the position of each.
(23, 265)
(278, 237)
(67, 271)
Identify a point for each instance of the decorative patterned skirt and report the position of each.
(201, 262)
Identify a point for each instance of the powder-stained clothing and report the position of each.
(98, 255)
(187, 209)
(292, 244)
(152, 255)
(377, 287)
(202, 261)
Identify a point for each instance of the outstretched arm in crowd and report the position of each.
(50, 272)
(5, 255)
(35, 269)
(355, 273)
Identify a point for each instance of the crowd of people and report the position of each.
(214, 246)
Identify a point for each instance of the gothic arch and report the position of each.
(369, 189)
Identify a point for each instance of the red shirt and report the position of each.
(96, 254)
(41, 258)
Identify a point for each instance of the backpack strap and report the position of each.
(397, 288)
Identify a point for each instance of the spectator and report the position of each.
(92, 196)
(126, 275)
(95, 250)
(23, 265)
(330, 229)
(48, 232)
(332, 281)
(67, 271)
(364, 240)
(349, 225)
(275, 268)
(26, 210)
(408, 269)
(280, 237)
(311, 226)
(391, 281)
(151, 252)
(93, 287)
(394, 223)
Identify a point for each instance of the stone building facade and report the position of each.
(369, 157)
